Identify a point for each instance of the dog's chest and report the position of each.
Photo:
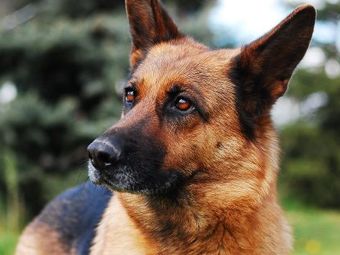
(117, 234)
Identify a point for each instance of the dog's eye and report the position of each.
(183, 104)
(130, 95)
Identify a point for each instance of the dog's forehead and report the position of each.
(187, 63)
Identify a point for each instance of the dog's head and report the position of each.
(197, 119)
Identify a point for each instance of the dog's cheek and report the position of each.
(185, 151)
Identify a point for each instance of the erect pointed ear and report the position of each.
(149, 24)
(264, 67)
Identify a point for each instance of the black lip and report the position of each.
(93, 174)
(98, 176)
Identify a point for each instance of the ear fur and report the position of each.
(264, 67)
(149, 24)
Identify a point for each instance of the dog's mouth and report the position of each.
(124, 178)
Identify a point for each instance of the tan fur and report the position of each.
(40, 239)
(124, 236)
(228, 233)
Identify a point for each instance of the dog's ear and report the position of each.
(149, 24)
(264, 67)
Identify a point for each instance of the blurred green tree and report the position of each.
(80, 9)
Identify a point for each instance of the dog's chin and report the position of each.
(94, 175)
(125, 179)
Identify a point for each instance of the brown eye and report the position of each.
(183, 104)
(130, 95)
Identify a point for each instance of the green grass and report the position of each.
(8, 241)
(315, 231)
(8, 236)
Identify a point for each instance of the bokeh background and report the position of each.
(62, 65)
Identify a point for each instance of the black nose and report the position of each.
(103, 153)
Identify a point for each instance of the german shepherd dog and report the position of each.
(194, 160)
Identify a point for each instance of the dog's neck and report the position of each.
(176, 229)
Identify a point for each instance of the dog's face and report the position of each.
(196, 119)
